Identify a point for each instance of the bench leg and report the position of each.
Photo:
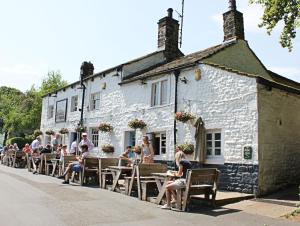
(144, 191)
(179, 199)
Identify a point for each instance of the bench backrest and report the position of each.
(146, 169)
(106, 162)
(203, 176)
(68, 159)
(48, 156)
(91, 162)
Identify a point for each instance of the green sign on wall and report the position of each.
(248, 152)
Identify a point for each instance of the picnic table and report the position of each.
(162, 180)
(117, 171)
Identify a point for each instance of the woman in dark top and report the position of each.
(183, 165)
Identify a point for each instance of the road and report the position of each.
(37, 200)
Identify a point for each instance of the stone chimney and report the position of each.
(86, 69)
(168, 29)
(233, 23)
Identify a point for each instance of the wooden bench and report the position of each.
(199, 182)
(105, 176)
(19, 159)
(142, 175)
(65, 162)
(47, 162)
(90, 168)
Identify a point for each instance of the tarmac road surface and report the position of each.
(37, 200)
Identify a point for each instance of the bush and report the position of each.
(19, 140)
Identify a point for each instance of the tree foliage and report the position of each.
(20, 113)
(286, 11)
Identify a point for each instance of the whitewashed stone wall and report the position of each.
(224, 100)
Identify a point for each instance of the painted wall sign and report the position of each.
(248, 151)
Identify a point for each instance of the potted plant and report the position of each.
(187, 148)
(137, 124)
(50, 132)
(183, 116)
(37, 133)
(108, 148)
(63, 131)
(105, 127)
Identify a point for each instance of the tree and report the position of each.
(275, 11)
(20, 113)
(52, 82)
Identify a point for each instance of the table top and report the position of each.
(120, 167)
(164, 175)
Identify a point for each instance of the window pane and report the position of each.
(218, 144)
(209, 144)
(208, 136)
(217, 151)
(217, 136)
(208, 151)
(154, 94)
(163, 92)
(95, 137)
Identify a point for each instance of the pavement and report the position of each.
(34, 200)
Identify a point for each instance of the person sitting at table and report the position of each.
(63, 152)
(27, 149)
(183, 165)
(138, 155)
(126, 157)
(75, 166)
(147, 151)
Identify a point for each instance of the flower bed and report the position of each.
(105, 127)
(183, 116)
(137, 124)
(187, 148)
(108, 148)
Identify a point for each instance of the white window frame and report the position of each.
(94, 136)
(156, 95)
(50, 112)
(95, 98)
(215, 159)
(74, 103)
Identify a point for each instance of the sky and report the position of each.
(40, 36)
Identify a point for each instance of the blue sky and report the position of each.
(38, 36)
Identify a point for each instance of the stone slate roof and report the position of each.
(183, 62)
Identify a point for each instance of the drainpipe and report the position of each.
(176, 73)
(82, 103)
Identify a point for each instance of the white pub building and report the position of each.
(251, 115)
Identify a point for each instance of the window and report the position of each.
(95, 101)
(129, 139)
(158, 141)
(159, 91)
(213, 144)
(95, 136)
(74, 103)
(50, 111)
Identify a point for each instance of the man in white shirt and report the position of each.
(36, 144)
(85, 141)
(73, 147)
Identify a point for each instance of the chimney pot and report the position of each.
(232, 4)
(170, 12)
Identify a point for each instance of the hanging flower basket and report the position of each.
(187, 148)
(37, 133)
(105, 127)
(50, 132)
(137, 124)
(183, 116)
(63, 131)
(107, 148)
(80, 129)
